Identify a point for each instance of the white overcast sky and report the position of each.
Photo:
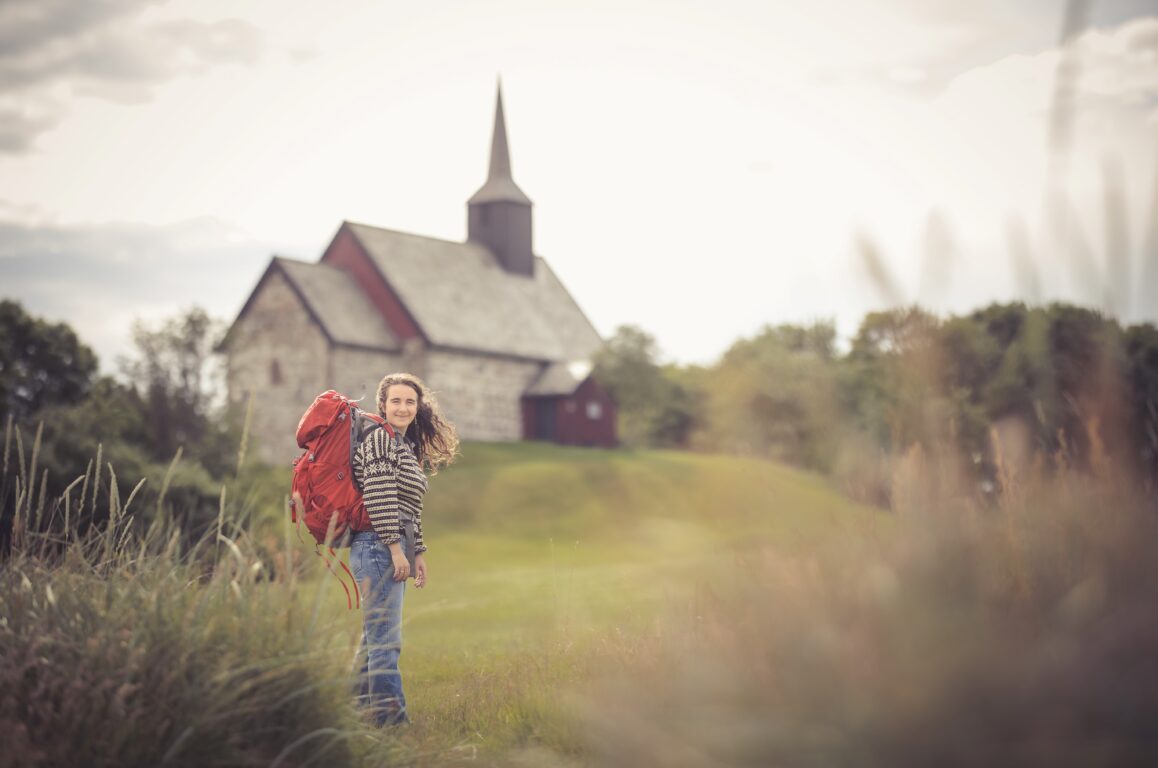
(699, 169)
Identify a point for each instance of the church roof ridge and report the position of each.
(392, 231)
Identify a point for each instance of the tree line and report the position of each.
(1005, 383)
(1056, 383)
(64, 420)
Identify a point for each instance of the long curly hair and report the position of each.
(435, 439)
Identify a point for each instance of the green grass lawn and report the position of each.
(543, 557)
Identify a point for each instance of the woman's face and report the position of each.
(401, 406)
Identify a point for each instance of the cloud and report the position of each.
(100, 278)
(1083, 222)
(116, 50)
(966, 36)
(26, 27)
(1122, 65)
(228, 41)
(19, 127)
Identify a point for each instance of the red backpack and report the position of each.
(324, 495)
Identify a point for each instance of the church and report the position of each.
(485, 323)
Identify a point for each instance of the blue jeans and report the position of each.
(379, 682)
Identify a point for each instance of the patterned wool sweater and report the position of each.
(392, 485)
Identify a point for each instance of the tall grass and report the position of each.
(123, 647)
(1020, 634)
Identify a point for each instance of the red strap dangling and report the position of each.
(330, 568)
(357, 592)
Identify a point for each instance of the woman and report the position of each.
(390, 472)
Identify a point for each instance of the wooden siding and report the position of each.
(572, 423)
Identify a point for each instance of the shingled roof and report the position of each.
(338, 304)
(462, 298)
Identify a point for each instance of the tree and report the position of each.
(1017, 378)
(654, 406)
(1141, 343)
(41, 363)
(818, 339)
(673, 415)
(775, 395)
(627, 367)
(110, 416)
(95, 426)
(177, 379)
(891, 377)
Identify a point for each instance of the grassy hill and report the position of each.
(538, 531)
(542, 555)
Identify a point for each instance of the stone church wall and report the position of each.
(481, 394)
(357, 373)
(278, 354)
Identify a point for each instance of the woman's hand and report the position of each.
(398, 560)
(419, 571)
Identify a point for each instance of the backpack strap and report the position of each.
(361, 425)
(351, 603)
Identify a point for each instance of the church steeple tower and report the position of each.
(499, 214)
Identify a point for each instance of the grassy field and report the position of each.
(617, 608)
(544, 560)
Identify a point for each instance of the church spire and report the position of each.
(500, 152)
(499, 214)
(500, 185)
